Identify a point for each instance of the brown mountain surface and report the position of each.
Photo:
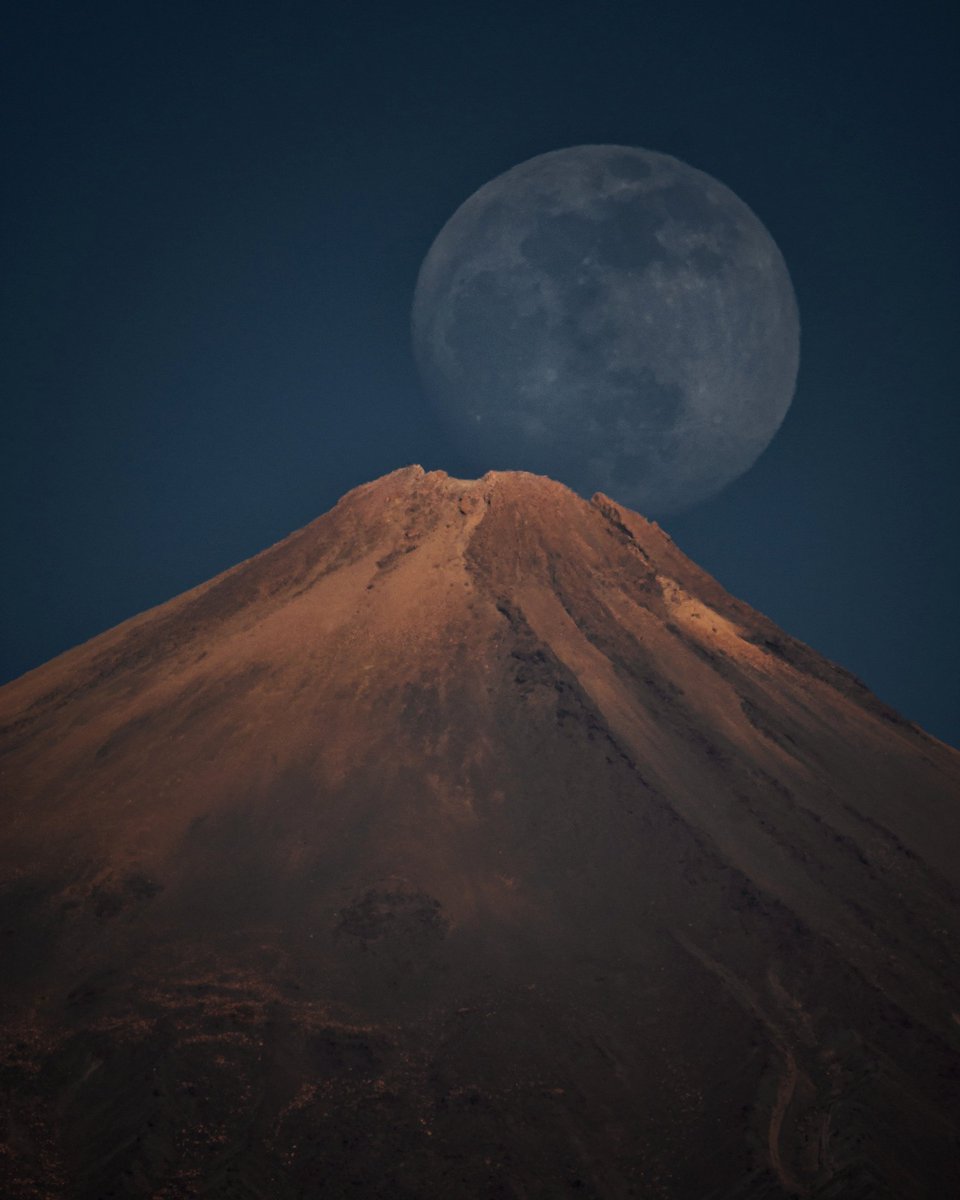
(472, 842)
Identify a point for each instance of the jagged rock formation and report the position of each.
(472, 842)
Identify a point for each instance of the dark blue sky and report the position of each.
(213, 217)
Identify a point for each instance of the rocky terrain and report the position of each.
(469, 843)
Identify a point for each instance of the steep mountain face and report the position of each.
(472, 842)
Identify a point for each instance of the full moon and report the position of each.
(614, 318)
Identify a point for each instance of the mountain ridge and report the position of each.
(619, 516)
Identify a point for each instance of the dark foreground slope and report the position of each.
(472, 843)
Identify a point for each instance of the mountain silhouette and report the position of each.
(472, 842)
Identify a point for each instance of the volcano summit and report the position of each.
(472, 842)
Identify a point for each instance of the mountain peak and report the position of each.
(474, 824)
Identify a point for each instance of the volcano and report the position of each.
(472, 842)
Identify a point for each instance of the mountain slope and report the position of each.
(473, 842)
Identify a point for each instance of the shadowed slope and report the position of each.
(473, 842)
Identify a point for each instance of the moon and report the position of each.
(614, 318)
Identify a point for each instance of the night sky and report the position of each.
(213, 218)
